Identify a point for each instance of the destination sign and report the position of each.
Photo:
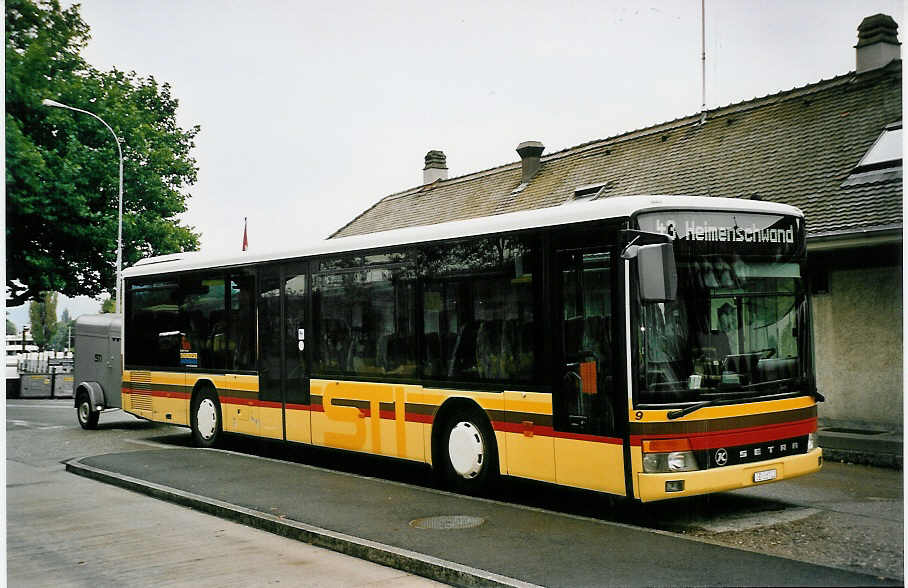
(726, 231)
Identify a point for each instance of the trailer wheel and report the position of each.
(85, 412)
(205, 419)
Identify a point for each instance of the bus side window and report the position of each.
(240, 345)
(479, 301)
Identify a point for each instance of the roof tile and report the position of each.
(794, 147)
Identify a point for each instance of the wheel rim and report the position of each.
(84, 411)
(466, 450)
(206, 418)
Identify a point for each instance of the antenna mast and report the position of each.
(703, 58)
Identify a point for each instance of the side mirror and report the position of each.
(658, 276)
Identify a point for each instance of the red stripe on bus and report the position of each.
(544, 431)
(299, 407)
(249, 402)
(411, 417)
(747, 436)
(157, 393)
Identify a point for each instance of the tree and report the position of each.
(11, 327)
(43, 317)
(60, 340)
(108, 305)
(61, 166)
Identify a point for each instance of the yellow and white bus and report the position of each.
(648, 346)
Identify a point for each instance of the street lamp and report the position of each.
(49, 102)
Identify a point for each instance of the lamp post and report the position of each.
(48, 102)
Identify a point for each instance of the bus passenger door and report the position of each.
(283, 370)
(296, 367)
(270, 357)
(588, 447)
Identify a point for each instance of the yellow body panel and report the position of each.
(299, 426)
(731, 410)
(585, 464)
(343, 426)
(171, 410)
(530, 455)
(372, 418)
(240, 418)
(652, 486)
(272, 424)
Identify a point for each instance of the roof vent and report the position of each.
(436, 167)
(878, 43)
(530, 153)
(589, 192)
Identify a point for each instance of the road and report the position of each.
(63, 530)
(846, 516)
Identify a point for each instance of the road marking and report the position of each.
(41, 406)
(153, 444)
(31, 425)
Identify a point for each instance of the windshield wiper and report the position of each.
(716, 397)
(677, 414)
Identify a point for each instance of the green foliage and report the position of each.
(43, 317)
(60, 340)
(108, 305)
(11, 327)
(62, 166)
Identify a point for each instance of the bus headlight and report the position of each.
(682, 461)
(811, 441)
(675, 461)
(668, 455)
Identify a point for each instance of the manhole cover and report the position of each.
(447, 522)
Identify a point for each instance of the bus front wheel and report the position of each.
(468, 452)
(206, 419)
(85, 412)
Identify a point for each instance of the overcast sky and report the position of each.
(312, 111)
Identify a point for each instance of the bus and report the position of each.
(649, 347)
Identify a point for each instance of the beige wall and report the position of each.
(858, 335)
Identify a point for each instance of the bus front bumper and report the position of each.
(653, 486)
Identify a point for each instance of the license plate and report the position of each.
(764, 476)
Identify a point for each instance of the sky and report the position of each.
(311, 112)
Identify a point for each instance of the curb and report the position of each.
(890, 461)
(402, 559)
(877, 448)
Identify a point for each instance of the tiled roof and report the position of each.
(796, 147)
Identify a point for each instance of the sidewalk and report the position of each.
(66, 531)
(867, 447)
(451, 538)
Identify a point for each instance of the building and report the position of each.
(831, 148)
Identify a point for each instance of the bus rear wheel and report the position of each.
(205, 419)
(468, 452)
(85, 412)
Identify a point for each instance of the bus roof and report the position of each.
(569, 213)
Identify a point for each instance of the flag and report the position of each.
(245, 237)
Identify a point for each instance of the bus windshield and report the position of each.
(737, 328)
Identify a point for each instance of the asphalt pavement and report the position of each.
(399, 524)
(469, 541)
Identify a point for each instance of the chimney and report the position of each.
(529, 152)
(878, 42)
(436, 167)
